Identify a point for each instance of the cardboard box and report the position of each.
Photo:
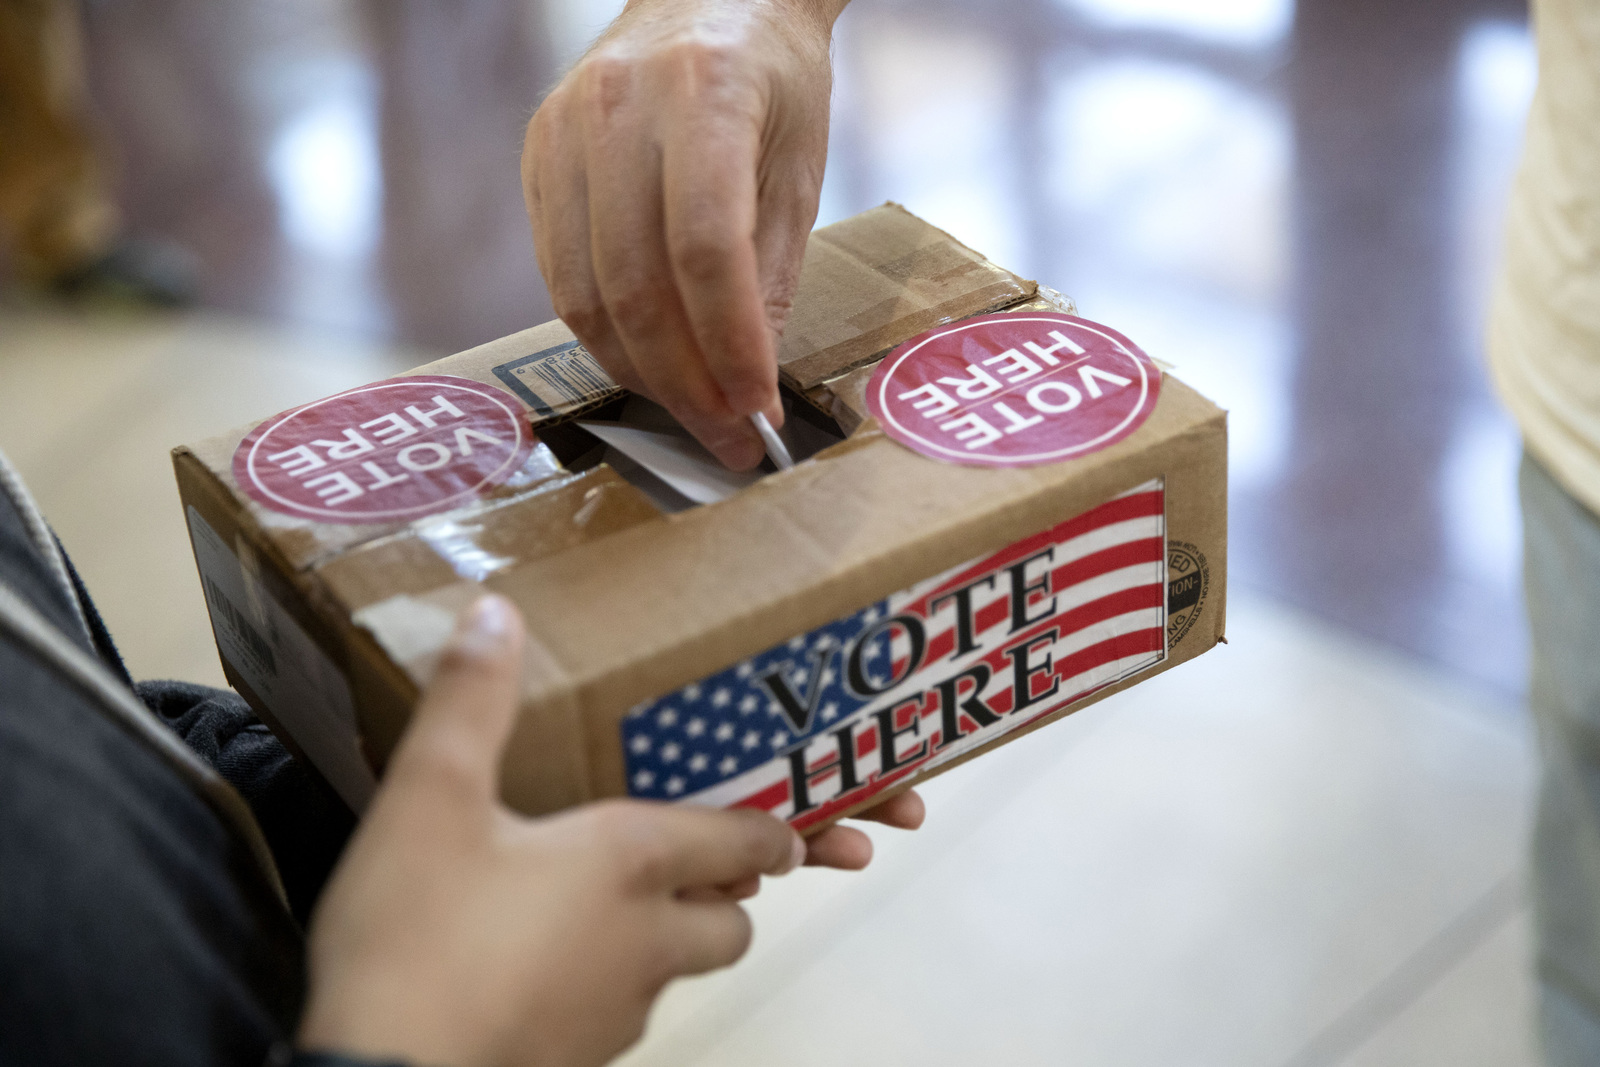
(820, 640)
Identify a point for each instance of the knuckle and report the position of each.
(636, 849)
(581, 310)
(715, 75)
(704, 62)
(638, 303)
(702, 254)
(605, 81)
(648, 859)
(779, 307)
(695, 407)
(549, 131)
(759, 842)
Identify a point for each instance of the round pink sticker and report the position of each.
(1014, 390)
(386, 452)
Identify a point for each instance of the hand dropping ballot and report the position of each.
(983, 512)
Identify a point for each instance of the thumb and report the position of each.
(466, 712)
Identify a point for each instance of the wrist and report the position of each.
(826, 12)
(818, 14)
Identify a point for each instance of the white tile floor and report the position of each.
(1299, 850)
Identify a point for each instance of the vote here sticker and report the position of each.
(386, 452)
(1014, 390)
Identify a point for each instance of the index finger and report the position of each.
(709, 161)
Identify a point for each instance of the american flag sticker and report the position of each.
(827, 719)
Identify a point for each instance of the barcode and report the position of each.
(241, 626)
(557, 380)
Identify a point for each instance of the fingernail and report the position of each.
(763, 398)
(486, 625)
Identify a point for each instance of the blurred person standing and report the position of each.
(57, 219)
(1544, 348)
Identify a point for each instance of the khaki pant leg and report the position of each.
(1562, 579)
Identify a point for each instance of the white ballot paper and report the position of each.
(648, 440)
(676, 458)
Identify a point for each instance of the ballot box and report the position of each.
(1002, 513)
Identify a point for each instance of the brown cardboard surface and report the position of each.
(871, 281)
(624, 604)
(475, 542)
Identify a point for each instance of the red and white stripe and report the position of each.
(1108, 578)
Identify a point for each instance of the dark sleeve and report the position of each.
(284, 1056)
(305, 822)
(135, 928)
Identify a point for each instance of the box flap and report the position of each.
(875, 279)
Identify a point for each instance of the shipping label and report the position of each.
(557, 381)
(282, 665)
